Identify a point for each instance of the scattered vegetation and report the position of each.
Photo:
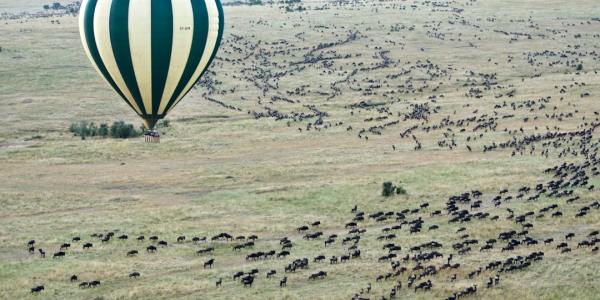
(118, 129)
(389, 188)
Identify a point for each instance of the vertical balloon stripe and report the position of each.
(200, 32)
(211, 43)
(183, 34)
(89, 43)
(104, 45)
(119, 37)
(219, 36)
(162, 41)
(140, 42)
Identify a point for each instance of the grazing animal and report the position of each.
(271, 273)
(134, 275)
(151, 249)
(209, 263)
(283, 282)
(132, 253)
(247, 281)
(87, 246)
(219, 282)
(42, 253)
(59, 254)
(37, 289)
(73, 278)
(318, 275)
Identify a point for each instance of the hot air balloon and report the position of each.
(151, 52)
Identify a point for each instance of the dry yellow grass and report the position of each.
(218, 170)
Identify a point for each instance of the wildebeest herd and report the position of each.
(385, 83)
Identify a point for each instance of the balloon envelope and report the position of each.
(151, 52)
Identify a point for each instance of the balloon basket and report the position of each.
(152, 136)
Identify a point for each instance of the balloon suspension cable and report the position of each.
(151, 135)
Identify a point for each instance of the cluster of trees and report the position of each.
(389, 189)
(55, 5)
(118, 129)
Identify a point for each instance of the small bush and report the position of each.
(118, 129)
(579, 67)
(400, 190)
(122, 130)
(388, 189)
(103, 130)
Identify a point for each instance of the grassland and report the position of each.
(221, 170)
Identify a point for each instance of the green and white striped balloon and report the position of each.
(151, 52)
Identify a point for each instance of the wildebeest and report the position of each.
(134, 275)
(318, 275)
(209, 263)
(37, 289)
(248, 280)
(206, 250)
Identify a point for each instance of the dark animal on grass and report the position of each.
(132, 253)
(134, 275)
(37, 289)
(271, 273)
(42, 253)
(283, 282)
(247, 281)
(238, 275)
(74, 278)
(219, 282)
(318, 275)
(204, 251)
(209, 263)
(59, 254)
(87, 245)
(151, 249)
